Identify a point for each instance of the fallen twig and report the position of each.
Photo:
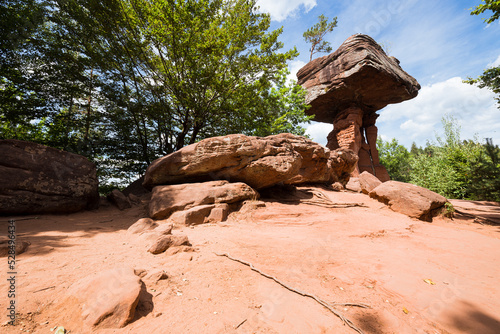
(305, 294)
(241, 323)
(50, 287)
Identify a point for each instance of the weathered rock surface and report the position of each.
(119, 199)
(353, 185)
(320, 165)
(359, 74)
(166, 200)
(19, 248)
(212, 213)
(142, 225)
(260, 162)
(164, 229)
(39, 179)
(164, 242)
(106, 300)
(409, 199)
(347, 87)
(136, 188)
(368, 182)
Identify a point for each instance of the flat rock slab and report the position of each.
(358, 73)
(40, 179)
(166, 200)
(409, 199)
(105, 300)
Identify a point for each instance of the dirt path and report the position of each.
(365, 255)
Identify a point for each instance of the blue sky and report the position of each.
(437, 42)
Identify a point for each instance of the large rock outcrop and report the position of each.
(40, 179)
(347, 87)
(259, 162)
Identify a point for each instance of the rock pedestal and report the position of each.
(347, 87)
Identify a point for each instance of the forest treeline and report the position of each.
(454, 168)
(124, 82)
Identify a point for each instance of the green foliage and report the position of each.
(448, 166)
(491, 77)
(395, 158)
(316, 33)
(126, 81)
(492, 5)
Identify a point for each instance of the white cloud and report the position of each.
(420, 119)
(294, 67)
(496, 63)
(319, 131)
(281, 9)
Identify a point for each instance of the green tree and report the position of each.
(491, 5)
(126, 81)
(445, 166)
(485, 174)
(316, 33)
(395, 158)
(491, 76)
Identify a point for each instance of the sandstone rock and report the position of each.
(193, 216)
(166, 200)
(156, 276)
(258, 162)
(136, 188)
(21, 247)
(133, 199)
(218, 214)
(368, 182)
(337, 186)
(166, 241)
(251, 205)
(358, 73)
(119, 199)
(343, 162)
(319, 164)
(143, 224)
(106, 300)
(164, 229)
(353, 185)
(347, 87)
(140, 272)
(39, 179)
(409, 199)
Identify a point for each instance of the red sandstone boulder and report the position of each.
(142, 225)
(40, 179)
(121, 201)
(166, 200)
(105, 300)
(164, 242)
(409, 199)
(260, 162)
(368, 182)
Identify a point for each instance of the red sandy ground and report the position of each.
(368, 255)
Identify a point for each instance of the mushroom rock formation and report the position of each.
(347, 87)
